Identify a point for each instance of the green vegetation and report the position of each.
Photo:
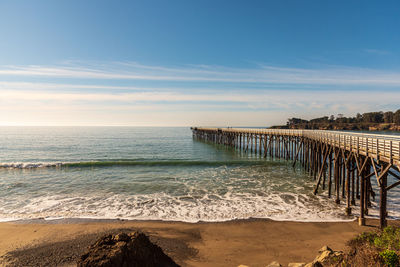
(381, 248)
(390, 258)
(369, 117)
(388, 239)
(367, 121)
(368, 237)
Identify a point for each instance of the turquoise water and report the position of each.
(146, 174)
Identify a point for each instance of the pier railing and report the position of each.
(378, 146)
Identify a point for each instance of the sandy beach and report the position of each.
(249, 242)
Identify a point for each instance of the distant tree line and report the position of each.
(369, 117)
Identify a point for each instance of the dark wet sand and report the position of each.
(249, 242)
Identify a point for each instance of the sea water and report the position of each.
(151, 173)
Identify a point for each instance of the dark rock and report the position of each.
(123, 250)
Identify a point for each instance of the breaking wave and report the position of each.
(127, 162)
(161, 206)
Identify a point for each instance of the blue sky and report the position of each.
(182, 63)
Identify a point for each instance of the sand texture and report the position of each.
(249, 242)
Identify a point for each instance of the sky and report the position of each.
(195, 63)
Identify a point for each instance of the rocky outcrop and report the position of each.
(123, 250)
(297, 264)
(314, 264)
(326, 257)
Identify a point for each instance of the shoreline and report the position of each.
(111, 220)
(253, 242)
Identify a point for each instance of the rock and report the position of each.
(323, 256)
(296, 264)
(123, 250)
(338, 253)
(122, 237)
(274, 264)
(314, 264)
(336, 257)
(324, 248)
(326, 255)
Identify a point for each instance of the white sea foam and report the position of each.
(225, 194)
(29, 165)
(221, 197)
(161, 206)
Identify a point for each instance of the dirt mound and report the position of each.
(125, 250)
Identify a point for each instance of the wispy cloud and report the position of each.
(263, 75)
(271, 99)
(377, 52)
(37, 86)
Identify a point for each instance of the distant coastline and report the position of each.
(371, 121)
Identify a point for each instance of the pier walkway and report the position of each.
(342, 162)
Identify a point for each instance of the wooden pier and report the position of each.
(341, 162)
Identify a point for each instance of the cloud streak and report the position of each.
(282, 99)
(377, 52)
(264, 74)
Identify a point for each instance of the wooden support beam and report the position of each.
(383, 199)
(361, 168)
(394, 174)
(287, 144)
(366, 188)
(336, 175)
(375, 171)
(321, 171)
(343, 175)
(330, 175)
(393, 185)
(256, 143)
(361, 219)
(348, 200)
(372, 173)
(251, 145)
(265, 143)
(384, 172)
(323, 175)
(297, 153)
(353, 200)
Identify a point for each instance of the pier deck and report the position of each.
(346, 161)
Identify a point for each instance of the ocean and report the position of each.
(151, 173)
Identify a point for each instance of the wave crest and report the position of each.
(82, 164)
